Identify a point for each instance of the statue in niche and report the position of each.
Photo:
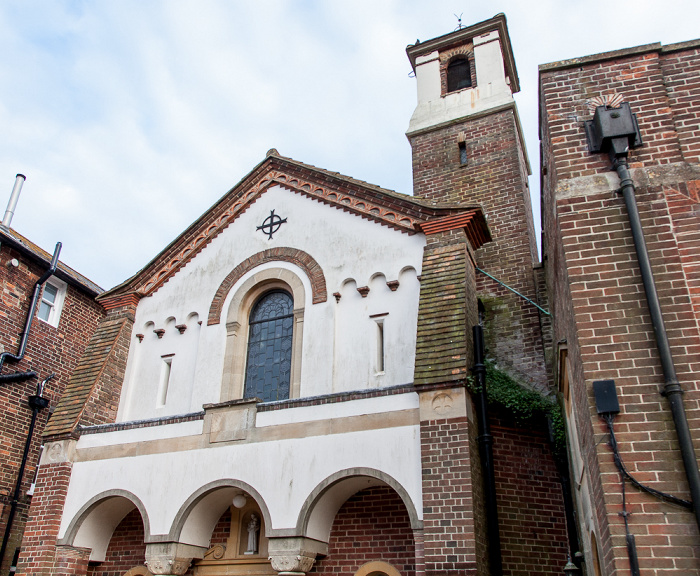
(253, 527)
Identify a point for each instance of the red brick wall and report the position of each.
(449, 520)
(39, 543)
(103, 402)
(222, 530)
(597, 295)
(372, 525)
(49, 350)
(681, 72)
(495, 178)
(126, 548)
(530, 503)
(71, 561)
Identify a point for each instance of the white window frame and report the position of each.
(56, 306)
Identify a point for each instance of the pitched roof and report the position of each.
(386, 207)
(66, 273)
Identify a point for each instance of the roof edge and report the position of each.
(273, 161)
(39, 255)
(498, 22)
(573, 62)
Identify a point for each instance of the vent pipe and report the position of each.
(14, 197)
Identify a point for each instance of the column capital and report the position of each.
(171, 558)
(294, 556)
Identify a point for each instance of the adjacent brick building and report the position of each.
(65, 317)
(601, 322)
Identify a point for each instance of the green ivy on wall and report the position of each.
(526, 406)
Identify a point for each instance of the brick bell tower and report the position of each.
(468, 151)
(468, 148)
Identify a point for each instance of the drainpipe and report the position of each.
(28, 322)
(485, 440)
(615, 131)
(672, 388)
(37, 403)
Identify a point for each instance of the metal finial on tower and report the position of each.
(459, 22)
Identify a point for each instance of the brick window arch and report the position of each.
(297, 257)
(241, 311)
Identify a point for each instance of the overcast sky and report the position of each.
(131, 118)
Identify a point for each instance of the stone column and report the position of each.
(171, 558)
(294, 556)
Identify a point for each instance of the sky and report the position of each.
(130, 118)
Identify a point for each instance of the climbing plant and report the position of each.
(526, 406)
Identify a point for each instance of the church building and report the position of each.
(322, 376)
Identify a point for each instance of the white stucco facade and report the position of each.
(492, 89)
(186, 440)
(339, 345)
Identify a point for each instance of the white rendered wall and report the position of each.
(283, 472)
(348, 248)
(491, 90)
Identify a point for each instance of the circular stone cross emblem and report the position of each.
(271, 224)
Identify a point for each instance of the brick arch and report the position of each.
(94, 524)
(322, 504)
(292, 255)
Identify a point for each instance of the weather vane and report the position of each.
(459, 21)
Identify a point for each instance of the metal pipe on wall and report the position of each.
(485, 440)
(37, 403)
(30, 312)
(672, 388)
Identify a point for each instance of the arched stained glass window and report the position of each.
(459, 74)
(268, 367)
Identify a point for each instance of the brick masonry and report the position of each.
(371, 525)
(298, 257)
(49, 350)
(443, 346)
(39, 544)
(92, 395)
(530, 505)
(126, 549)
(594, 284)
(495, 178)
(453, 531)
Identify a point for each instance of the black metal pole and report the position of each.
(486, 451)
(672, 387)
(37, 403)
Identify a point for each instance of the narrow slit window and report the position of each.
(462, 153)
(165, 370)
(380, 346)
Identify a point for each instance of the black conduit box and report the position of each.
(606, 397)
(613, 130)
